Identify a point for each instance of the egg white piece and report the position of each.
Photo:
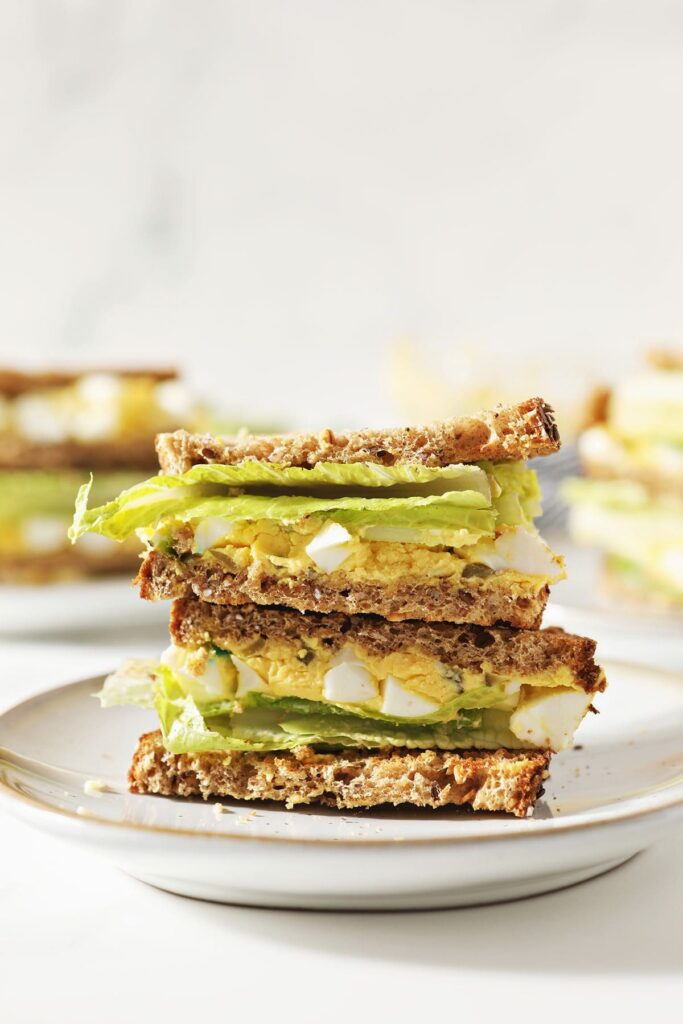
(215, 679)
(39, 419)
(209, 532)
(174, 398)
(398, 702)
(550, 718)
(348, 681)
(329, 547)
(248, 679)
(524, 551)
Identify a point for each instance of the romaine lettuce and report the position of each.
(210, 491)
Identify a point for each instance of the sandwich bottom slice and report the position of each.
(268, 703)
(499, 780)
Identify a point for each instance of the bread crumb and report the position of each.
(219, 810)
(95, 787)
(83, 811)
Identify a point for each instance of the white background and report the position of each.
(273, 194)
(287, 188)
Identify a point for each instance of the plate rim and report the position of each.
(515, 830)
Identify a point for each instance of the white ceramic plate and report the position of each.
(626, 629)
(607, 799)
(79, 604)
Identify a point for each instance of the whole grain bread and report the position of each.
(17, 382)
(124, 453)
(513, 432)
(473, 599)
(501, 780)
(505, 651)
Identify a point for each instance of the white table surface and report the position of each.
(80, 941)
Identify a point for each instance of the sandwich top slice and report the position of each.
(430, 523)
(252, 683)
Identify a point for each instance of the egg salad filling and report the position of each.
(269, 695)
(96, 407)
(35, 510)
(365, 520)
(641, 535)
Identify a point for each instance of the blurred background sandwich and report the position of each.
(630, 503)
(57, 427)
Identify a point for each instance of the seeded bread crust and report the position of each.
(514, 432)
(17, 382)
(164, 576)
(501, 780)
(505, 651)
(132, 453)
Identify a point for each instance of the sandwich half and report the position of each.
(354, 710)
(433, 523)
(54, 428)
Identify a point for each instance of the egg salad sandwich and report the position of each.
(342, 618)
(430, 523)
(352, 711)
(629, 504)
(54, 428)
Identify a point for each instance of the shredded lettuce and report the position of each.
(212, 491)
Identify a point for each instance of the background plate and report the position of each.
(608, 798)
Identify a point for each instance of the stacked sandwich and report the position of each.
(631, 504)
(356, 617)
(54, 428)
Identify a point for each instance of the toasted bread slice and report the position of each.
(514, 432)
(504, 651)
(501, 780)
(123, 453)
(485, 601)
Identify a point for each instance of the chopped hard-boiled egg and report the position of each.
(38, 418)
(329, 547)
(206, 675)
(523, 551)
(247, 678)
(210, 531)
(399, 702)
(348, 681)
(549, 717)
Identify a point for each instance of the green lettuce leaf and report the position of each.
(519, 502)
(29, 492)
(138, 508)
(281, 723)
(186, 730)
(618, 494)
(462, 500)
(135, 682)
